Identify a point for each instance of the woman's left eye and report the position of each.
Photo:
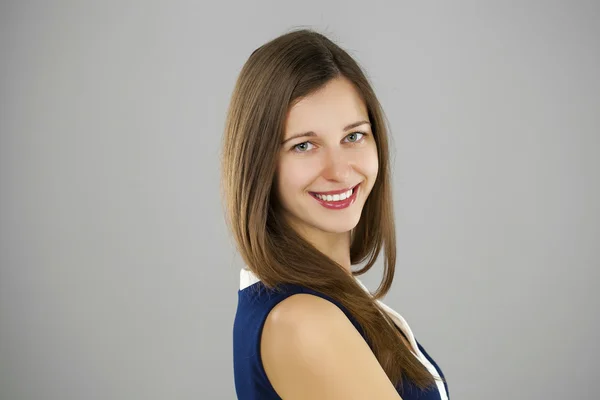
(355, 136)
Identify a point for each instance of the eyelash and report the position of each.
(293, 149)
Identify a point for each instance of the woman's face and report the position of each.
(328, 146)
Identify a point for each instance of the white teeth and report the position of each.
(335, 197)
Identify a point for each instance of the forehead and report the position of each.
(332, 107)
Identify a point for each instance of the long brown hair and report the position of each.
(276, 75)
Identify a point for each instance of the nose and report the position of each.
(337, 166)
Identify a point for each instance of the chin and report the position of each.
(337, 226)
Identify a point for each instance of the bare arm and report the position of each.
(310, 350)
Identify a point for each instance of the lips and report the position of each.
(336, 204)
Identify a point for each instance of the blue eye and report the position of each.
(301, 147)
(356, 138)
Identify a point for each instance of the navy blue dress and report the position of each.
(255, 301)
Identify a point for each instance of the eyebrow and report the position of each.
(311, 133)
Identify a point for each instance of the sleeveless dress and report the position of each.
(255, 301)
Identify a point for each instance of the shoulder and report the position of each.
(310, 349)
(299, 306)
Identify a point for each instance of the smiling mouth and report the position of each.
(337, 199)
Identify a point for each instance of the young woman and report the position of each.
(306, 186)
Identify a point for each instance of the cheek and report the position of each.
(375, 164)
(370, 163)
(292, 176)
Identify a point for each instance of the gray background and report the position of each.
(118, 279)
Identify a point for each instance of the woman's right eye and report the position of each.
(301, 147)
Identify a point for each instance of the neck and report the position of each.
(334, 245)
